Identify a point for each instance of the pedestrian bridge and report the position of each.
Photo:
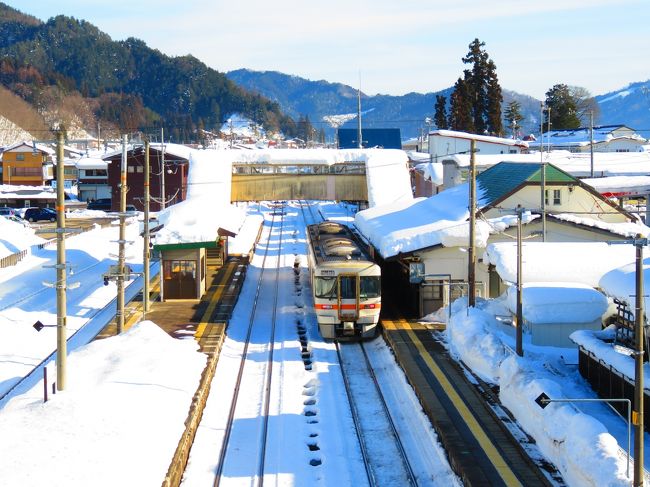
(291, 181)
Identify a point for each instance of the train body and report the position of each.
(346, 284)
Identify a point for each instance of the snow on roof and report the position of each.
(584, 262)
(625, 229)
(433, 171)
(409, 225)
(620, 283)
(582, 137)
(620, 184)
(207, 206)
(558, 302)
(576, 164)
(177, 150)
(31, 145)
(9, 191)
(91, 163)
(479, 138)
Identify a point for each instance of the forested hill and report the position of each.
(299, 96)
(65, 63)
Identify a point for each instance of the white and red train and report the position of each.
(346, 284)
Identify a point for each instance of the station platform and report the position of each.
(480, 449)
(204, 318)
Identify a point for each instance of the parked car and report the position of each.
(6, 211)
(103, 204)
(38, 214)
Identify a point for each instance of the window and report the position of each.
(325, 287)
(20, 156)
(27, 171)
(348, 287)
(139, 169)
(557, 199)
(130, 169)
(370, 287)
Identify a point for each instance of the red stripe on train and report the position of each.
(347, 306)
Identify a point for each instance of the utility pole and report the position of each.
(520, 315)
(122, 239)
(637, 414)
(359, 133)
(542, 168)
(146, 253)
(61, 318)
(471, 270)
(591, 140)
(162, 185)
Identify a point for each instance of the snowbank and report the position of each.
(119, 391)
(17, 237)
(620, 283)
(579, 445)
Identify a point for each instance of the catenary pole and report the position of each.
(637, 415)
(163, 203)
(122, 239)
(471, 270)
(520, 314)
(146, 252)
(61, 318)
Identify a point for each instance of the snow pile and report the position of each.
(119, 392)
(579, 445)
(16, 237)
(571, 302)
(584, 262)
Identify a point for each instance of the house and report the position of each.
(606, 138)
(93, 178)
(24, 163)
(380, 138)
(430, 237)
(449, 142)
(168, 168)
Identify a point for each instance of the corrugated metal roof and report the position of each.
(505, 177)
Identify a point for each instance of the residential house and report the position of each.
(606, 138)
(168, 168)
(24, 163)
(449, 142)
(93, 178)
(431, 236)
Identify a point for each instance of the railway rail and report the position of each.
(266, 389)
(361, 384)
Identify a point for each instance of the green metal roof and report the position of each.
(503, 178)
(187, 245)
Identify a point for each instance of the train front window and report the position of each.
(348, 287)
(325, 287)
(370, 287)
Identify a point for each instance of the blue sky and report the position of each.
(392, 47)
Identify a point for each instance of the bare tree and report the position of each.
(585, 103)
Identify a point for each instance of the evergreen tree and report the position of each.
(476, 80)
(479, 96)
(563, 108)
(460, 110)
(440, 117)
(494, 100)
(513, 116)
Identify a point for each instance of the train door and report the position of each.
(348, 297)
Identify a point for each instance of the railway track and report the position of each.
(228, 452)
(361, 384)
